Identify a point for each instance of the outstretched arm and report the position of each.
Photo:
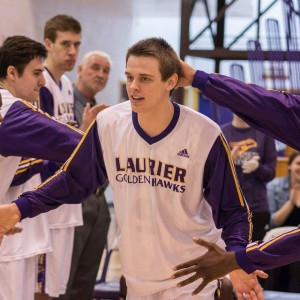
(250, 102)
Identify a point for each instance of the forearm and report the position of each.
(271, 254)
(78, 178)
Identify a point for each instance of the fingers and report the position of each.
(99, 107)
(203, 243)
(188, 280)
(186, 271)
(188, 264)
(14, 230)
(261, 274)
(200, 287)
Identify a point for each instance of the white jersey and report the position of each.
(63, 109)
(8, 165)
(152, 188)
(35, 236)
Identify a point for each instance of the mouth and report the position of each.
(136, 98)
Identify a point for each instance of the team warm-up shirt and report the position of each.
(166, 188)
(58, 101)
(278, 115)
(27, 131)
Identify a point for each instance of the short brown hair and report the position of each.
(60, 23)
(18, 51)
(158, 48)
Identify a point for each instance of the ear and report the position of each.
(79, 69)
(12, 72)
(47, 43)
(172, 82)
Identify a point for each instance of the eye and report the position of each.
(129, 77)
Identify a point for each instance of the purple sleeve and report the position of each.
(223, 193)
(281, 250)
(78, 178)
(27, 131)
(28, 168)
(46, 102)
(275, 113)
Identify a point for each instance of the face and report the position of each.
(294, 169)
(93, 74)
(27, 86)
(145, 88)
(64, 51)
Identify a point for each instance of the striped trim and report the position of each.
(26, 164)
(49, 116)
(238, 188)
(269, 243)
(242, 202)
(66, 165)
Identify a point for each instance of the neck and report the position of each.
(154, 123)
(7, 86)
(85, 92)
(55, 72)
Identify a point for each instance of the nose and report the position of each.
(72, 49)
(42, 80)
(133, 85)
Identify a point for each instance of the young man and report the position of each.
(24, 131)
(172, 177)
(90, 239)
(62, 38)
(282, 122)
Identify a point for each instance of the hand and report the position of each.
(235, 152)
(73, 123)
(14, 230)
(251, 165)
(90, 113)
(9, 217)
(186, 75)
(214, 264)
(295, 194)
(246, 285)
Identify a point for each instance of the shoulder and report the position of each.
(198, 123)
(278, 183)
(115, 113)
(7, 101)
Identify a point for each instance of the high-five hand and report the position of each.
(9, 217)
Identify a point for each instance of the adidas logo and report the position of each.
(183, 153)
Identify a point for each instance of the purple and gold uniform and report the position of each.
(166, 188)
(278, 115)
(25, 130)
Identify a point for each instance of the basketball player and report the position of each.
(62, 38)
(25, 130)
(172, 177)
